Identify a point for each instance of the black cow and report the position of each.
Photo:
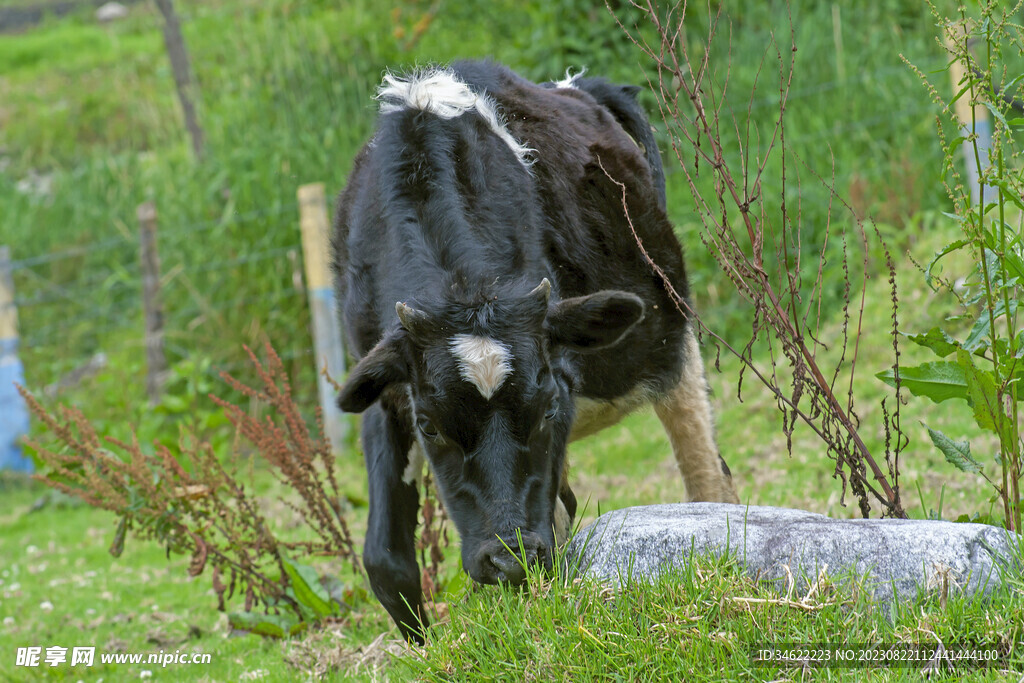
(500, 307)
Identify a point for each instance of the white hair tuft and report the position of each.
(570, 78)
(440, 92)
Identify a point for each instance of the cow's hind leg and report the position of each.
(686, 415)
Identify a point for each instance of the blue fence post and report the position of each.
(328, 342)
(13, 411)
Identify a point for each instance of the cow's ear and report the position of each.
(383, 365)
(595, 321)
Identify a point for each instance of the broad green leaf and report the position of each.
(939, 381)
(175, 404)
(937, 340)
(308, 590)
(996, 114)
(1008, 191)
(271, 625)
(958, 453)
(979, 337)
(291, 601)
(977, 518)
(1015, 264)
(981, 392)
(1009, 87)
(945, 251)
(977, 340)
(1010, 262)
(962, 92)
(955, 144)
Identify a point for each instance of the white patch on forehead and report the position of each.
(440, 92)
(483, 362)
(570, 78)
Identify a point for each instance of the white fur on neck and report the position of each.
(440, 92)
(483, 362)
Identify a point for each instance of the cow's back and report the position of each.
(582, 154)
(559, 215)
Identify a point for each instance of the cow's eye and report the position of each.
(552, 412)
(428, 429)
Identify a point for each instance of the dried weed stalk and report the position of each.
(433, 539)
(761, 251)
(193, 504)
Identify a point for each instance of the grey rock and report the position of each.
(111, 11)
(35, 184)
(897, 558)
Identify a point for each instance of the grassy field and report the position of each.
(89, 121)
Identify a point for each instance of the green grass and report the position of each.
(60, 587)
(286, 99)
(695, 623)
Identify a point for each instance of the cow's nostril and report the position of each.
(506, 558)
(510, 568)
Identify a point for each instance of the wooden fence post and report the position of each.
(13, 411)
(182, 68)
(328, 342)
(156, 362)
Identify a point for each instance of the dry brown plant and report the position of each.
(432, 541)
(191, 502)
(724, 157)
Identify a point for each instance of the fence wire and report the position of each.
(212, 304)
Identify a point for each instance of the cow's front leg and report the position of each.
(686, 415)
(389, 554)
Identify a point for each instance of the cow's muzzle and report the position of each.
(505, 560)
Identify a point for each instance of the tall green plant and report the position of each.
(984, 369)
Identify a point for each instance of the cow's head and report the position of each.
(490, 386)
